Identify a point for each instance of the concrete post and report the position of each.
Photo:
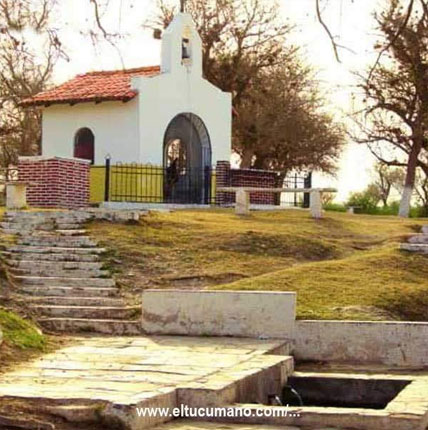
(315, 204)
(16, 195)
(242, 206)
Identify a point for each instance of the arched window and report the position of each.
(84, 145)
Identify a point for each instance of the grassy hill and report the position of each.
(342, 266)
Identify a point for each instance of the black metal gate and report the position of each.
(140, 183)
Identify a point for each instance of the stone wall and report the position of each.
(228, 177)
(389, 343)
(55, 182)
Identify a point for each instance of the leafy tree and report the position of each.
(279, 122)
(367, 201)
(395, 123)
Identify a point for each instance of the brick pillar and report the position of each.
(222, 180)
(55, 182)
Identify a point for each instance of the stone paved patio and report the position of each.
(118, 374)
(102, 380)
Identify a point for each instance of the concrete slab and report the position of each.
(256, 314)
(119, 374)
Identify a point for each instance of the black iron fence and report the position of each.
(297, 181)
(132, 182)
(144, 183)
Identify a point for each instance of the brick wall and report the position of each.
(228, 177)
(55, 182)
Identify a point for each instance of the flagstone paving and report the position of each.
(118, 374)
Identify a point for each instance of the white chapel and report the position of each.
(151, 115)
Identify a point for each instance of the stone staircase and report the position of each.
(418, 242)
(59, 272)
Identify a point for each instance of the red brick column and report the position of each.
(257, 179)
(222, 175)
(55, 182)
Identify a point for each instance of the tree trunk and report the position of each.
(409, 183)
(246, 159)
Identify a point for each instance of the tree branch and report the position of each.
(394, 39)
(327, 30)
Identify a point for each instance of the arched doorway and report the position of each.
(187, 160)
(84, 144)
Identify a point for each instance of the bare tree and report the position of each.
(395, 122)
(23, 72)
(421, 191)
(387, 179)
(30, 45)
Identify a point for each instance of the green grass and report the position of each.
(20, 333)
(341, 266)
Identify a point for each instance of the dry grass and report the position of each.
(342, 266)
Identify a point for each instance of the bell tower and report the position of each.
(181, 46)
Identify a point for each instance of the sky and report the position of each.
(351, 21)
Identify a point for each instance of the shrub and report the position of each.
(335, 207)
(365, 201)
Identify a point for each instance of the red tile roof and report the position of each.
(93, 87)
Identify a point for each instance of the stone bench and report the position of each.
(351, 209)
(242, 206)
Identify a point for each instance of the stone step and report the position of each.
(71, 232)
(24, 228)
(90, 312)
(425, 229)
(57, 241)
(19, 214)
(415, 247)
(54, 281)
(69, 292)
(41, 224)
(418, 238)
(55, 265)
(47, 215)
(76, 301)
(59, 273)
(18, 232)
(53, 257)
(46, 226)
(68, 226)
(105, 326)
(54, 250)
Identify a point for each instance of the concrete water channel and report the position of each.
(106, 381)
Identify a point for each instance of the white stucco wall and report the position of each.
(165, 96)
(114, 124)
